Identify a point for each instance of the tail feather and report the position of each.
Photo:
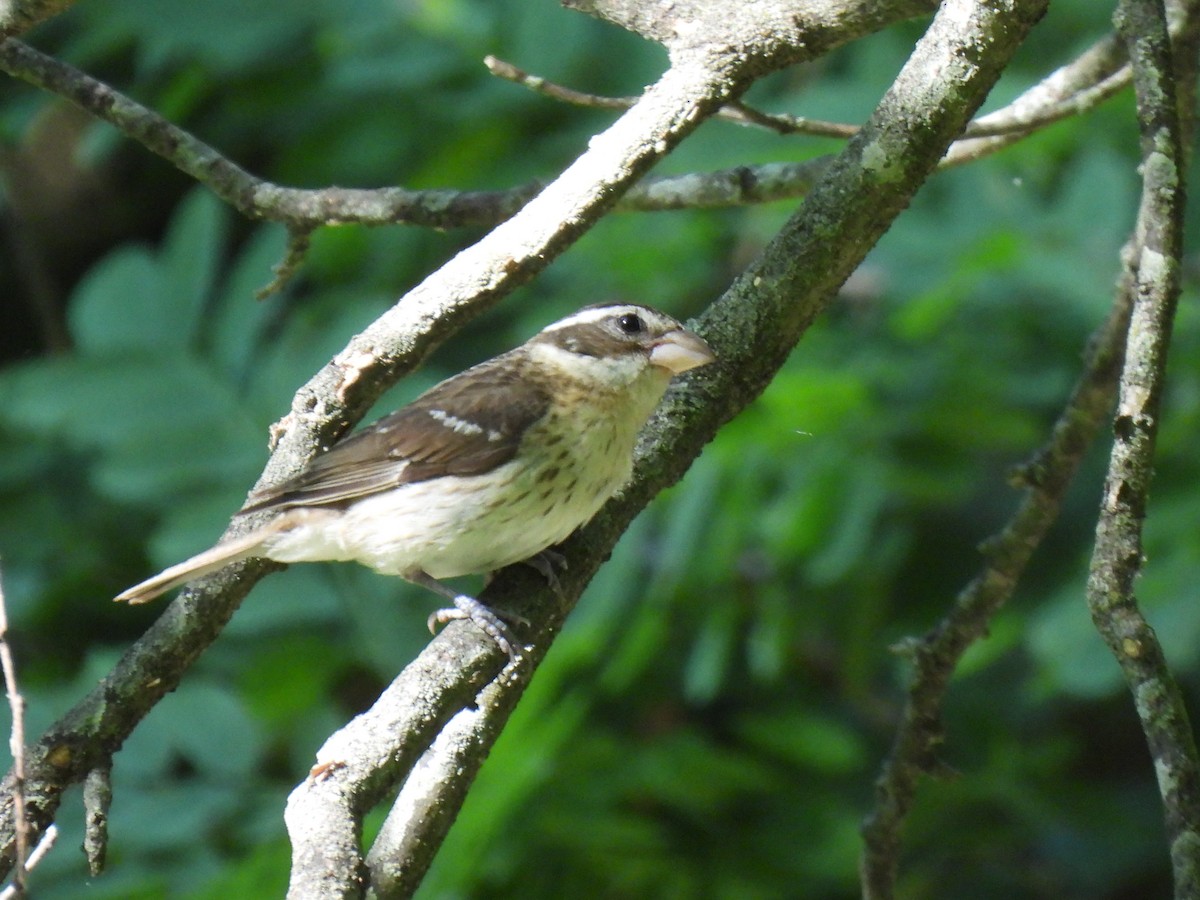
(201, 564)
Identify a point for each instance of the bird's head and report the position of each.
(615, 345)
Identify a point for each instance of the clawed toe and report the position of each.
(485, 618)
(548, 564)
(489, 621)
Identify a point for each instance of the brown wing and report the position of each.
(466, 425)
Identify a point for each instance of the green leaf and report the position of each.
(161, 422)
(806, 739)
(136, 300)
(1069, 651)
(123, 304)
(191, 256)
(239, 316)
(204, 723)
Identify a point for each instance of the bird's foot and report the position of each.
(488, 620)
(548, 564)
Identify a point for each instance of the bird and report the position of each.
(491, 467)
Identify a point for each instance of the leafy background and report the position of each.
(711, 721)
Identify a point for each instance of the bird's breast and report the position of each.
(568, 465)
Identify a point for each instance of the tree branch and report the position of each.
(340, 393)
(936, 655)
(1092, 77)
(435, 789)
(753, 328)
(737, 112)
(1072, 90)
(1117, 556)
(18, 16)
(249, 195)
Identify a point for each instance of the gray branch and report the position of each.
(1117, 555)
(89, 734)
(18, 16)
(935, 656)
(753, 327)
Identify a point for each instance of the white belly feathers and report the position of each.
(423, 526)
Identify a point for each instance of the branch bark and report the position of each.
(936, 655)
(1117, 556)
(698, 82)
(753, 327)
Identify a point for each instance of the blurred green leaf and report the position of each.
(205, 726)
(124, 305)
(806, 741)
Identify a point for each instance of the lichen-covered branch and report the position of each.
(1072, 90)
(1117, 555)
(18, 16)
(87, 736)
(1089, 79)
(935, 656)
(753, 328)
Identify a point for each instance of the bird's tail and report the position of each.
(201, 564)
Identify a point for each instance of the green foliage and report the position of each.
(711, 721)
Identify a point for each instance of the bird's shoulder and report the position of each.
(466, 425)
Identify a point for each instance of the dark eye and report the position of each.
(630, 324)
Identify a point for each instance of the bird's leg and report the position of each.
(467, 607)
(548, 564)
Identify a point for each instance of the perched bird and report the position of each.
(488, 468)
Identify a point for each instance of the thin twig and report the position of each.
(299, 240)
(1015, 120)
(1018, 121)
(934, 657)
(1117, 555)
(49, 836)
(16, 743)
(732, 112)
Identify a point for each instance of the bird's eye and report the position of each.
(630, 324)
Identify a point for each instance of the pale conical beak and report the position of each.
(678, 351)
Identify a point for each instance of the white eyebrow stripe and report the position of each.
(588, 316)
